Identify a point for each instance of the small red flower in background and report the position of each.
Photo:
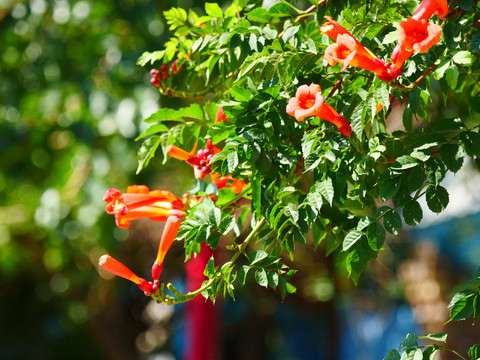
(308, 101)
(348, 51)
(220, 115)
(414, 36)
(139, 202)
(199, 162)
(430, 7)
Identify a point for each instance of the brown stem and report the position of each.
(335, 87)
(429, 70)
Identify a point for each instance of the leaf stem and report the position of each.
(292, 7)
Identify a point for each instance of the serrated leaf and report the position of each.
(381, 95)
(389, 189)
(392, 354)
(391, 37)
(232, 161)
(462, 309)
(470, 143)
(147, 151)
(418, 355)
(242, 274)
(408, 341)
(375, 236)
(440, 70)
(292, 212)
(261, 277)
(403, 163)
(356, 262)
(257, 256)
(437, 198)
(434, 170)
(452, 156)
(463, 58)
(289, 33)
(363, 223)
(415, 179)
(315, 201)
(392, 222)
(436, 337)
(475, 43)
(412, 213)
(351, 238)
(451, 76)
(287, 190)
(213, 10)
(326, 189)
(474, 352)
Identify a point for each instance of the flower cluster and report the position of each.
(416, 34)
(157, 75)
(199, 162)
(139, 202)
(115, 267)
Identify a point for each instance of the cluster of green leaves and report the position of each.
(309, 185)
(466, 302)
(411, 350)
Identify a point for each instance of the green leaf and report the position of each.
(416, 178)
(474, 352)
(451, 76)
(289, 33)
(232, 161)
(412, 213)
(194, 111)
(315, 201)
(437, 198)
(257, 256)
(242, 274)
(326, 189)
(209, 268)
(389, 189)
(363, 223)
(440, 70)
(470, 143)
(404, 162)
(375, 236)
(272, 277)
(392, 354)
(356, 262)
(418, 355)
(381, 95)
(261, 277)
(475, 43)
(391, 37)
(213, 10)
(408, 341)
(474, 101)
(153, 130)
(464, 58)
(442, 337)
(292, 212)
(285, 191)
(465, 5)
(351, 238)
(452, 156)
(435, 170)
(462, 308)
(147, 151)
(392, 222)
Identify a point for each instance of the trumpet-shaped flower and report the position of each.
(414, 36)
(117, 268)
(308, 101)
(170, 231)
(139, 202)
(430, 7)
(347, 50)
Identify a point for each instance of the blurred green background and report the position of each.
(71, 104)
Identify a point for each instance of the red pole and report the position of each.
(201, 315)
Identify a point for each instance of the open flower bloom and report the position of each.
(170, 231)
(430, 7)
(117, 268)
(220, 115)
(414, 36)
(139, 202)
(229, 182)
(308, 101)
(347, 50)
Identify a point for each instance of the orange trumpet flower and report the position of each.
(117, 268)
(220, 115)
(139, 202)
(430, 7)
(229, 182)
(347, 50)
(414, 36)
(308, 101)
(169, 233)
